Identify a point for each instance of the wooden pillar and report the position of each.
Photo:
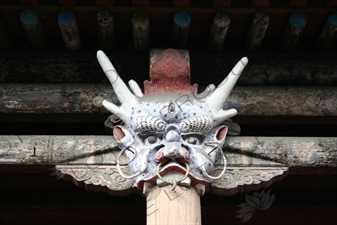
(69, 30)
(257, 31)
(219, 28)
(180, 29)
(106, 30)
(292, 31)
(328, 35)
(34, 29)
(172, 207)
(5, 37)
(141, 31)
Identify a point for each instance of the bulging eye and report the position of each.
(151, 140)
(193, 140)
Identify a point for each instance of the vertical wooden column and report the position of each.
(106, 30)
(69, 30)
(218, 32)
(141, 31)
(257, 31)
(293, 31)
(34, 29)
(180, 29)
(180, 206)
(328, 35)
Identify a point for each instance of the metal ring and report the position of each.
(223, 171)
(173, 183)
(122, 152)
(119, 164)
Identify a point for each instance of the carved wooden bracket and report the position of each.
(107, 179)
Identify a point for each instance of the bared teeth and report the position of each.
(173, 176)
(146, 187)
(201, 188)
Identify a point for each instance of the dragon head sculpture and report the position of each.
(170, 134)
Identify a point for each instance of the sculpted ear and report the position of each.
(221, 133)
(118, 133)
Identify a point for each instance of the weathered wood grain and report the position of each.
(249, 101)
(141, 31)
(292, 31)
(106, 30)
(69, 30)
(180, 29)
(94, 151)
(328, 34)
(257, 31)
(218, 32)
(168, 207)
(34, 29)
(295, 69)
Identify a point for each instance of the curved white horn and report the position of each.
(125, 96)
(217, 98)
(135, 88)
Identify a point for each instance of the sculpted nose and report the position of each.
(172, 150)
(172, 136)
(172, 133)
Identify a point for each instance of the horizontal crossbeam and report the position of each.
(96, 151)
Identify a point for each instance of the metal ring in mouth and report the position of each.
(119, 164)
(173, 183)
(223, 170)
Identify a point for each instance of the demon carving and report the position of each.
(170, 134)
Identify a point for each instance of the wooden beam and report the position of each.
(69, 30)
(249, 101)
(257, 31)
(328, 35)
(106, 30)
(34, 29)
(307, 69)
(292, 31)
(180, 29)
(95, 151)
(218, 32)
(141, 31)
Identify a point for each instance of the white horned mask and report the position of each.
(170, 134)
